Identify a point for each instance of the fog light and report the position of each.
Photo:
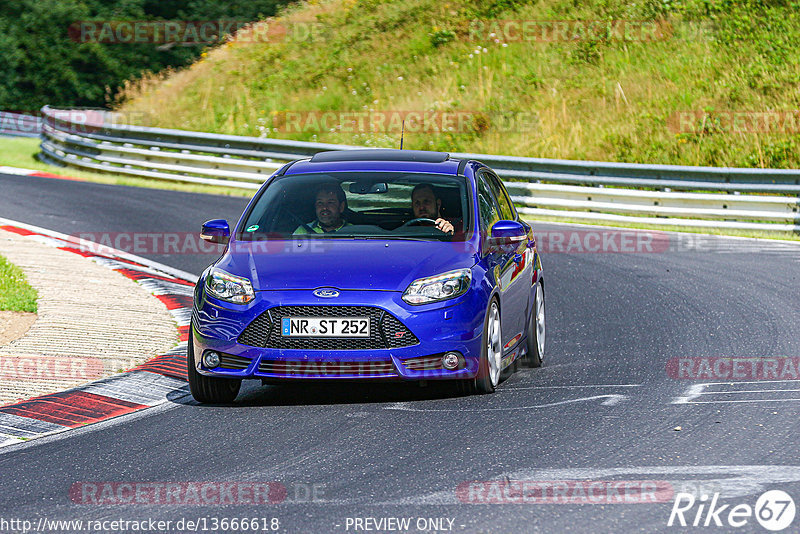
(451, 361)
(211, 359)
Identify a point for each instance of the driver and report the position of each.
(329, 204)
(426, 205)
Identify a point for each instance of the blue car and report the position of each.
(369, 265)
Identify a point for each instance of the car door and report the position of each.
(505, 262)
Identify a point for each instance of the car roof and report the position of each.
(377, 159)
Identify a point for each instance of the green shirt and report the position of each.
(317, 228)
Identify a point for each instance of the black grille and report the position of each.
(229, 361)
(327, 368)
(386, 331)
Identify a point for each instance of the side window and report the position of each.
(507, 211)
(487, 206)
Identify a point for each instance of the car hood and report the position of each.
(388, 265)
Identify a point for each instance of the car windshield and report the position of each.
(347, 205)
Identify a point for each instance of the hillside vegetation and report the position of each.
(598, 97)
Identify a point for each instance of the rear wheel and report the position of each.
(209, 389)
(491, 352)
(536, 329)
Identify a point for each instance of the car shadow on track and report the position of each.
(317, 393)
(344, 393)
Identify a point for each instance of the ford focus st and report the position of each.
(369, 265)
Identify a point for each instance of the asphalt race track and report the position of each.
(603, 408)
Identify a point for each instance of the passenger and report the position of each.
(329, 204)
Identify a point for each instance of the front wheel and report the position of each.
(208, 389)
(536, 329)
(491, 352)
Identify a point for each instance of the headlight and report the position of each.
(228, 287)
(440, 287)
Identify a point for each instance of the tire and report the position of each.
(488, 374)
(536, 330)
(208, 389)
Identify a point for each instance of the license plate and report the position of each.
(325, 327)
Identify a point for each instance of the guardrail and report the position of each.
(665, 195)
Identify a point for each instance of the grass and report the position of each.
(599, 99)
(15, 293)
(21, 152)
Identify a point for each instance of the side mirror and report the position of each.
(508, 231)
(506, 236)
(216, 231)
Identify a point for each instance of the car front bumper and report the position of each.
(450, 326)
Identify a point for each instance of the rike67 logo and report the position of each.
(774, 510)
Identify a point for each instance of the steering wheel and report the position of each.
(421, 221)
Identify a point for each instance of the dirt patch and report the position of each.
(13, 325)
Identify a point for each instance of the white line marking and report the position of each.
(15, 424)
(737, 382)
(179, 349)
(160, 287)
(610, 400)
(693, 392)
(730, 401)
(572, 387)
(182, 315)
(10, 440)
(696, 390)
(737, 391)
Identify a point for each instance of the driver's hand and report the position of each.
(445, 226)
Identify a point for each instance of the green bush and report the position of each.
(15, 293)
(442, 37)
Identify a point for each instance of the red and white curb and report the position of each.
(150, 384)
(32, 172)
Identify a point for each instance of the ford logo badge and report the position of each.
(326, 293)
